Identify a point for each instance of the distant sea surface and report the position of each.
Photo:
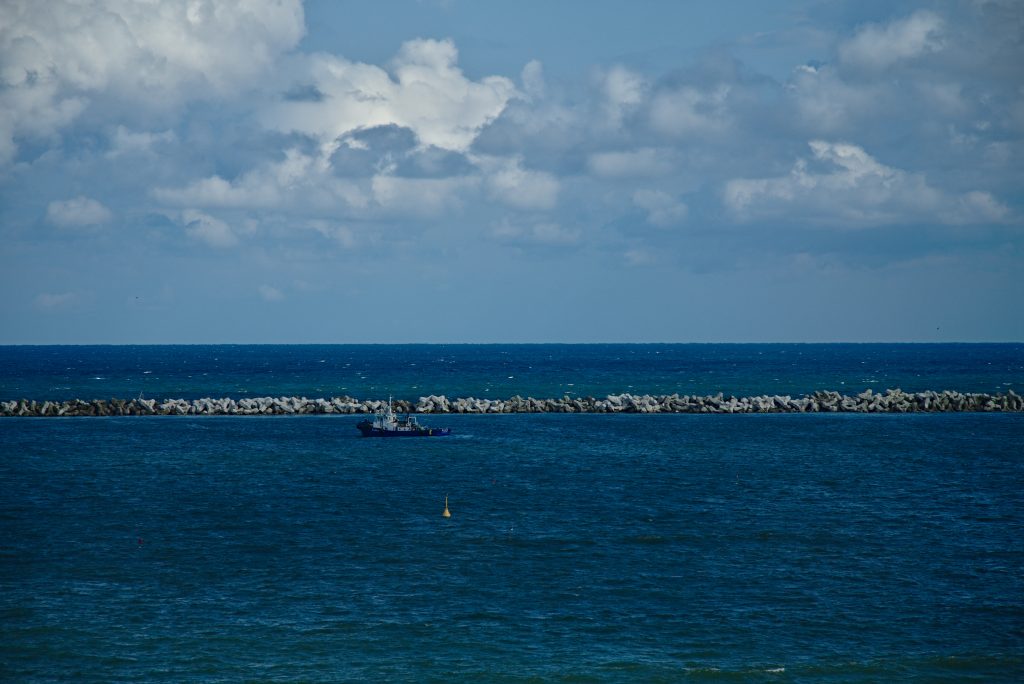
(500, 371)
(760, 548)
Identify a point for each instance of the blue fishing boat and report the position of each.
(386, 423)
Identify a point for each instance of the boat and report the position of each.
(387, 423)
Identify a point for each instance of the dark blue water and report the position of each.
(791, 547)
(501, 371)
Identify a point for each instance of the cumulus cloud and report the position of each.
(847, 186)
(877, 46)
(307, 184)
(828, 103)
(388, 143)
(690, 111)
(419, 197)
(332, 154)
(58, 56)
(271, 294)
(663, 210)
(46, 300)
(542, 233)
(638, 257)
(425, 92)
(298, 180)
(342, 235)
(979, 206)
(208, 229)
(508, 182)
(126, 142)
(532, 78)
(624, 91)
(77, 212)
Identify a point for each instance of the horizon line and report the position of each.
(495, 344)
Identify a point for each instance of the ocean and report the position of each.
(750, 548)
(501, 371)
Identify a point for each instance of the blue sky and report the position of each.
(452, 171)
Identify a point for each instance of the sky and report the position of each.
(272, 171)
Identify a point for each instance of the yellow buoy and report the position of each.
(446, 513)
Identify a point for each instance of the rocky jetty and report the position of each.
(890, 401)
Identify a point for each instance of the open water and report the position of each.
(834, 548)
(501, 371)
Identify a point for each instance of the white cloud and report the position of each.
(420, 197)
(299, 180)
(153, 46)
(58, 55)
(663, 210)
(532, 78)
(543, 233)
(646, 161)
(47, 300)
(215, 191)
(305, 183)
(638, 257)
(851, 188)
(508, 182)
(428, 94)
(343, 235)
(982, 206)
(623, 91)
(827, 103)
(998, 153)
(77, 212)
(877, 46)
(208, 229)
(947, 97)
(35, 110)
(271, 294)
(125, 142)
(688, 111)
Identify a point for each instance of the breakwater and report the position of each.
(890, 401)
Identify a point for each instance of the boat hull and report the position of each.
(368, 430)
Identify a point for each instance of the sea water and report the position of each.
(501, 371)
(790, 547)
